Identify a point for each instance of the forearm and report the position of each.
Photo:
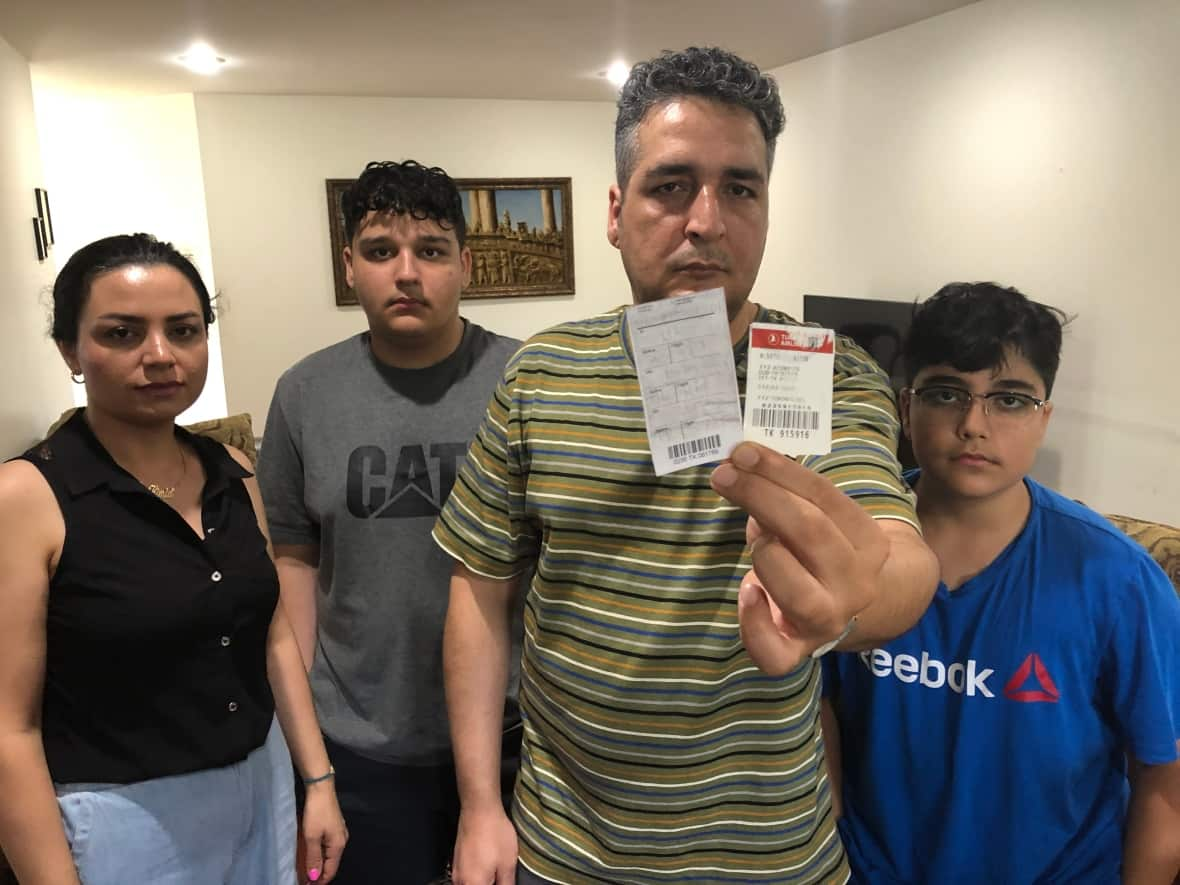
(908, 580)
(476, 646)
(31, 832)
(832, 754)
(298, 571)
(293, 701)
(1151, 847)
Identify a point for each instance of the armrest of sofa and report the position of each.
(1162, 542)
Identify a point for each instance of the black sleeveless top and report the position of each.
(156, 638)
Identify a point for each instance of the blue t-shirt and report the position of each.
(987, 743)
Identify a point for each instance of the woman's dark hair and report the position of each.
(72, 287)
(973, 326)
(406, 188)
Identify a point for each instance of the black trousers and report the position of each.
(402, 819)
(524, 876)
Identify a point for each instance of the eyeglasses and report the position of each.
(999, 405)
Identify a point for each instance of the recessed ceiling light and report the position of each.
(201, 58)
(618, 72)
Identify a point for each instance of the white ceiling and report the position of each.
(532, 49)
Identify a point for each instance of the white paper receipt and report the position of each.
(789, 388)
(684, 359)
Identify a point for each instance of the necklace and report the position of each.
(166, 492)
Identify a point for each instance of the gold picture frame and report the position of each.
(336, 188)
(519, 230)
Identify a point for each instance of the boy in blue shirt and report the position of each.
(1027, 728)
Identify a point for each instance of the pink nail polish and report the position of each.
(313, 874)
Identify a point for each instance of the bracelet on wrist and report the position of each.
(308, 781)
(828, 646)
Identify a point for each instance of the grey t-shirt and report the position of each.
(358, 457)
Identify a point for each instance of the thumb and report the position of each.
(753, 530)
(767, 644)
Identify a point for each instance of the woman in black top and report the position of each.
(145, 654)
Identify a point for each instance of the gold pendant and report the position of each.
(164, 492)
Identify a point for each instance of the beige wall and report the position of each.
(118, 164)
(35, 386)
(265, 160)
(1033, 142)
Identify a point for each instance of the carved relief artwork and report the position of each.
(520, 232)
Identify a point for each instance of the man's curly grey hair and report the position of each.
(706, 72)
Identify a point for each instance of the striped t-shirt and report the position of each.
(655, 751)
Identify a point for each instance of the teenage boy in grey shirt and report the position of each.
(362, 445)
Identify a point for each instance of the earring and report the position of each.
(77, 378)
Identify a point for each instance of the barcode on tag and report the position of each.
(786, 417)
(694, 446)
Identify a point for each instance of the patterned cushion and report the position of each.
(1162, 542)
(236, 430)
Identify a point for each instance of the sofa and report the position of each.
(1162, 542)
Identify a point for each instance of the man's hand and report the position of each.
(485, 848)
(476, 646)
(818, 556)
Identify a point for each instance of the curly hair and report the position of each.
(706, 72)
(973, 326)
(406, 188)
(72, 286)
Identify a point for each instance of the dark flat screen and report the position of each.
(879, 327)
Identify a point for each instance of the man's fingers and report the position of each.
(808, 609)
(778, 492)
(506, 875)
(753, 531)
(809, 533)
(787, 473)
(770, 648)
(816, 556)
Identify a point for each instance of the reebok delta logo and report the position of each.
(1018, 690)
(968, 678)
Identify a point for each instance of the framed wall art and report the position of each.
(336, 188)
(520, 232)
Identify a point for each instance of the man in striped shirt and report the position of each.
(668, 684)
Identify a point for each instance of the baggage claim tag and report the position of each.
(684, 360)
(789, 388)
